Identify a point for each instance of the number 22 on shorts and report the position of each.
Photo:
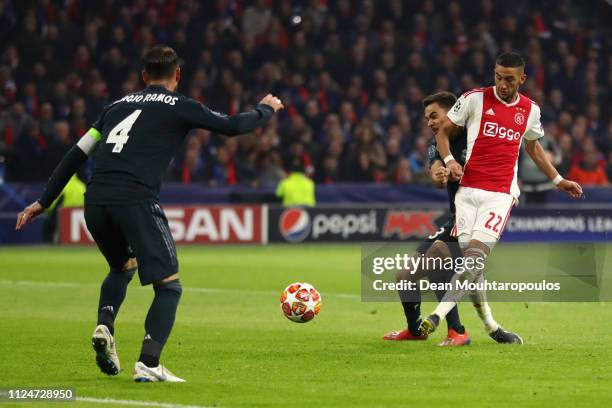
(494, 218)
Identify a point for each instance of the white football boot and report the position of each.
(142, 373)
(106, 354)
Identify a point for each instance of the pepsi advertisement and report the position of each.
(337, 224)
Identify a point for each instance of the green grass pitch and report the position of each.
(235, 348)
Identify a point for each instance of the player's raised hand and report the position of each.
(455, 170)
(28, 214)
(570, 187)
(273, 102)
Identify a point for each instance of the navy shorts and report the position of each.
(443, 234)
(124, 231)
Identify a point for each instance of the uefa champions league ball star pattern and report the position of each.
(300, 302)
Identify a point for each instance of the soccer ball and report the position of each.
(300, 302)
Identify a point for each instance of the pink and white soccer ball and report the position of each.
(300, 302)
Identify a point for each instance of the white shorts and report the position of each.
(484, 211)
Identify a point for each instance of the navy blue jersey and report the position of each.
(139, 134)
(458, 148)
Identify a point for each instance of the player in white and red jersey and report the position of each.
(496, 118)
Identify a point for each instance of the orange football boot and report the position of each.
(456, 339)
(403, 335)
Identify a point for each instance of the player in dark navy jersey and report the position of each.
(442, 243)
(436, 107)
(132, 143)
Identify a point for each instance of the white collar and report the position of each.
(518, 98)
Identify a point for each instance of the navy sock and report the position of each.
(160, 320)
(452, 318)
(112, 294)
(411, 302)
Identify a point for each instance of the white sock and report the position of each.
(479, 300)
(484, 312)
(443, 308)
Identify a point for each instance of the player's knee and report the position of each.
(438, 249)
(171, 286)
(130, 265)
(125, 274)
(402, 275)
(409, 273)
(475, 258)
(483, 240)
(167, 279)
(464, 240)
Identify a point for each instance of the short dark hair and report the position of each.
(510, 60)
(444, 99)
(160, 62)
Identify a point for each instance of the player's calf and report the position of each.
(112, 294)
(411, 304)
(160, 319)
(471, 270)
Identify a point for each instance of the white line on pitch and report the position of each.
(186, 289)
(135, 403)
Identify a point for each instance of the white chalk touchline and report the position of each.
(186, 289)
(135, 403)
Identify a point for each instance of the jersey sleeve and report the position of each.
(432, 153)
(534, 130)
(461, 110)
(199, 116)
(95, 131)
(98, 124)
(69, 165)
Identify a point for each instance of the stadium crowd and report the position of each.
(352, 75)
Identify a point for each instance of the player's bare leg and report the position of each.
(478, 250)
(158, 326)
(475, 255)
(112, 294)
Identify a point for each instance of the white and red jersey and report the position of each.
(494, 132)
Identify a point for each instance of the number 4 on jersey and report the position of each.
(120, 133)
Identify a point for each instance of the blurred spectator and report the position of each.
(28, 158)
(591, 170)
(271, 170)
(351, 75)
(535, 184)
(419, 164)
(402, 173)
(223, 169)
(297, 188)
(193, 168)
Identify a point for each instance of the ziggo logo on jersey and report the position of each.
(493, 129)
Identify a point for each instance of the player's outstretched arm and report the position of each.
(245, 122)
(443, 136)
(540, 158)
(69, 164)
